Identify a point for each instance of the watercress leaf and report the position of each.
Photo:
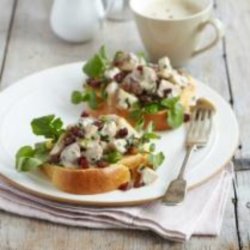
(150, 136)
(47, 126)
(103, 53)
(25, 164)
(139, 124)
(152, 108)
(118, 56)
(150, 127)
(92, 99)
(136, 106)
(88, 96)
(85, 95)
(28, 158)
(41, 146)
(113, 157)
(57, 123)
(136, 114)
(42, 125)
(25, 151)
(170, 102)
(96, 65)
(152, 147)
(104, 94)
(142, 55)
(42, 151)
(76, 97)
(175, 116)
(156, 159)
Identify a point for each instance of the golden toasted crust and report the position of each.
(88, 181)
(159, 119)
(95, 180)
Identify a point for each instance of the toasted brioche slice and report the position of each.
(159, 119)
(88, 181)
(95, 180)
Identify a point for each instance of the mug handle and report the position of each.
(219, 33)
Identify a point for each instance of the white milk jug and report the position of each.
(76, 20)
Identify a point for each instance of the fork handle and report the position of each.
(189, 152)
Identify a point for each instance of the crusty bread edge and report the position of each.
(95, 180)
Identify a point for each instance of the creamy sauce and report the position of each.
(170, 9)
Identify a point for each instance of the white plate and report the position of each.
(48, 92)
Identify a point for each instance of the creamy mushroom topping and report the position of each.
(137, 87)
(132, 80)
(165, 68)
(94, 151)
(138, 82)
(148, 175)
(125, 99)
(93, 142)
(112, 88)
(112, 72)
(165, 85)
(70, 154)
(145, 76)
(127, 61)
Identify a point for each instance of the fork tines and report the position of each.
(200, 126)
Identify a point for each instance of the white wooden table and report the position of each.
(27, 45)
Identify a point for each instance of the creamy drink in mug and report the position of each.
(173, 27)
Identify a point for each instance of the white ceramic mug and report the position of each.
(175, 37)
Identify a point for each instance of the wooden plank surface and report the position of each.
(243, 190)
(5, 20)
(33, 47)
(33, 41)
(20, 233)
(237, 46)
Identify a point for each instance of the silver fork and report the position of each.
(197, 137)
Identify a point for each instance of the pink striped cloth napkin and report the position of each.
(200, 214)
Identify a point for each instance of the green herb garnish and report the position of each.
(152, 147)
(113, 157)
(119, 55)
(48, 126)
(148, 134)
(135, 114)
(104, 94)
(152, 108)
(96, 66)
(142, 55)
(156, 159)
(140, 124)
(88, 96)
(175, 111)
(92, 99)
(170, 102)
(28, 158)
(77, 97)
